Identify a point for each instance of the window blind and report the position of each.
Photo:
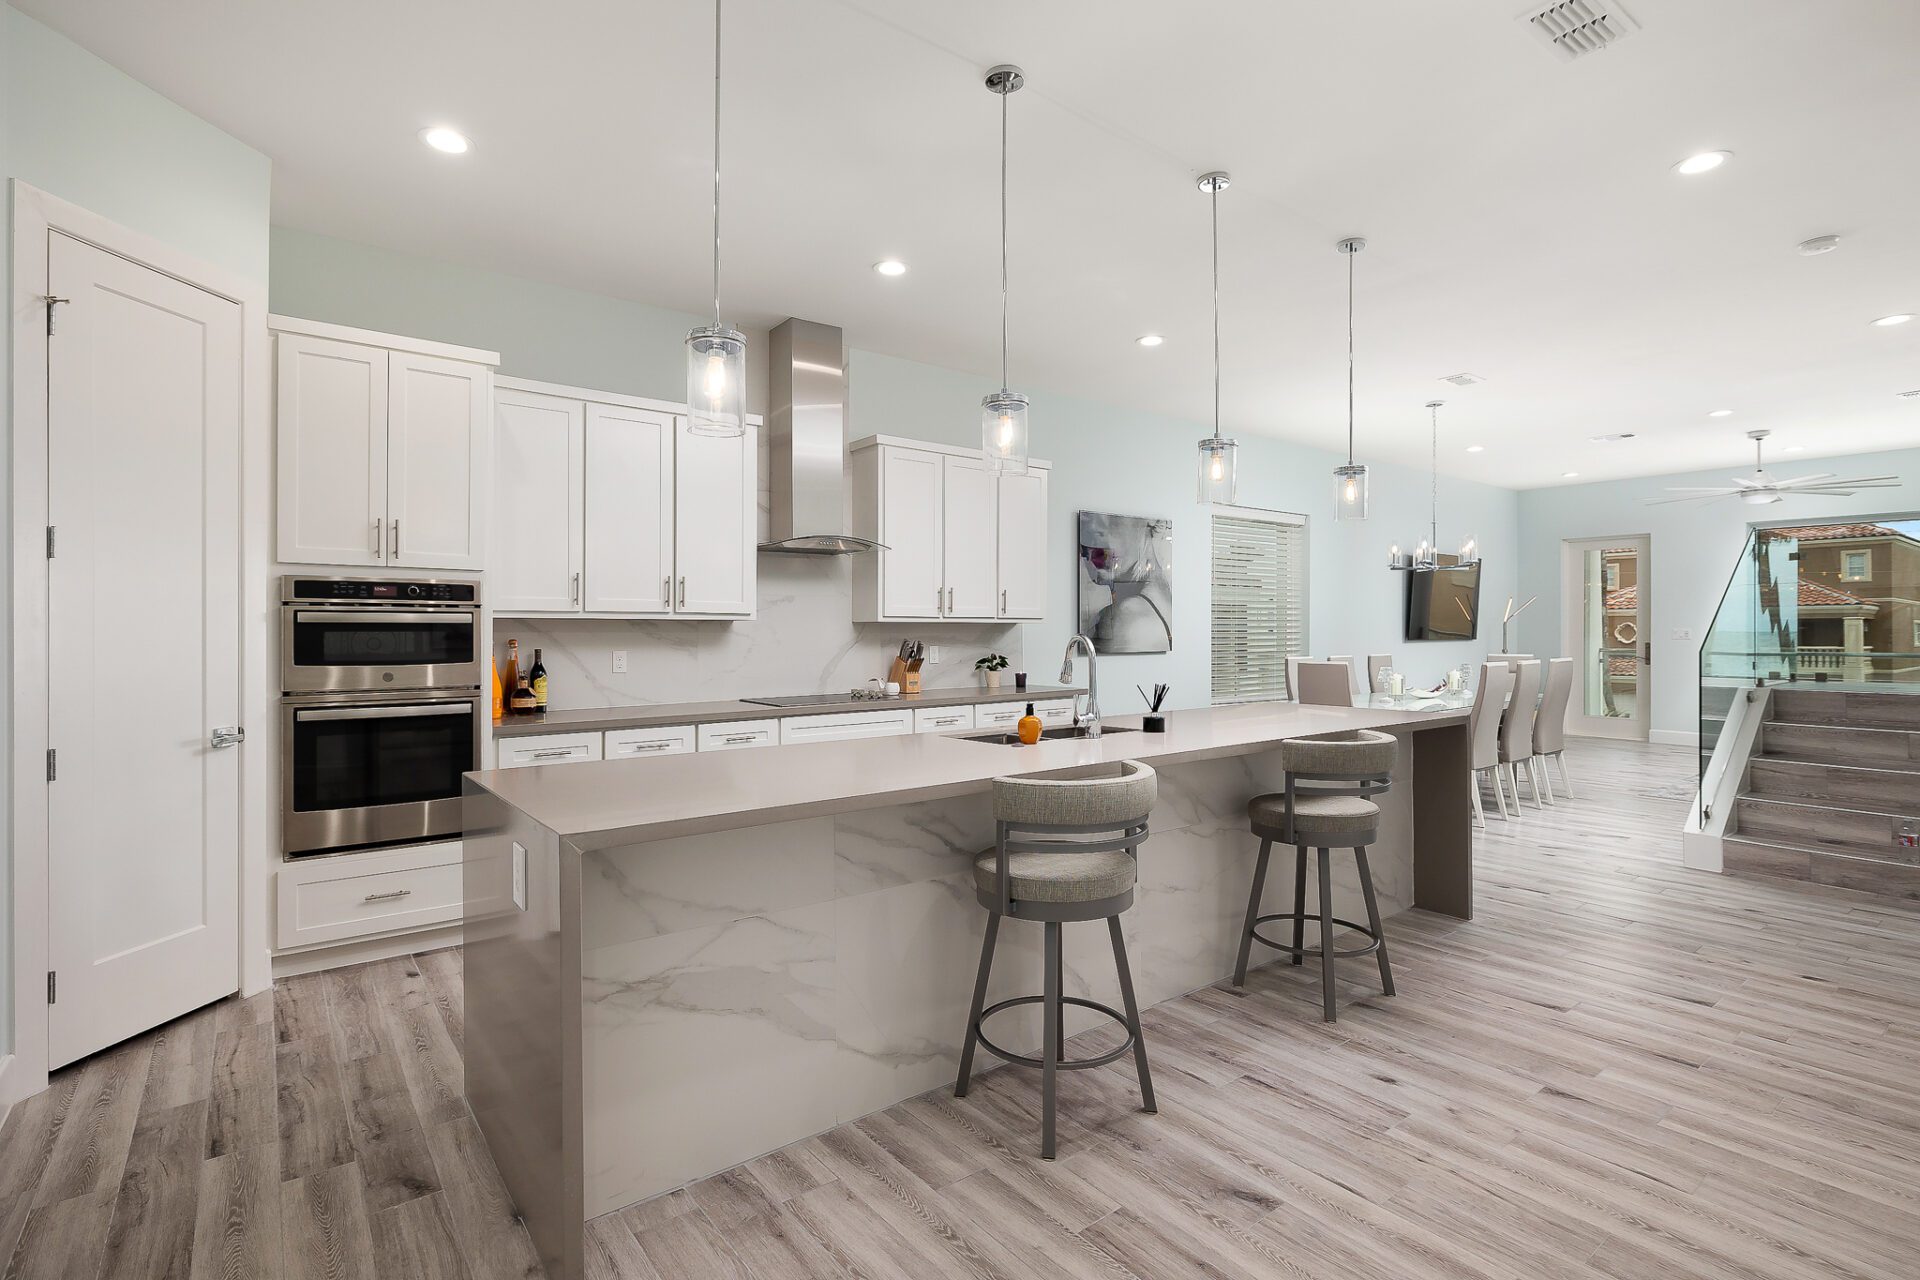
(1259, 603)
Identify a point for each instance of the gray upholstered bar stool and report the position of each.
(1330, 811)
(1064, 850)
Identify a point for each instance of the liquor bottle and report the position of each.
(537, 677)
(521, 702)
(511, 680)
(499, 690)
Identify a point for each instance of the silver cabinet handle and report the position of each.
(939, 599)
(683, 593)
(666, 592)
(949, 599)
(742, 737)
(230, 736)
(1003, 601)
(647, 746)
(396, 539)
(551, 753)
(379, 542)
(576, 589)
(388, 896)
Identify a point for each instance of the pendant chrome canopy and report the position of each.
(716, 353)
(1003, 414)
(1219, 455)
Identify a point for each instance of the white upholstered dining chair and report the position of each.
(1483, 735)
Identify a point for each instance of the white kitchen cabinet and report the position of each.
(845, 725)
(384, 448)
(1021, 555)
(1053, 713)
(648, 521)
(365, 894)
(963, 544)
(942, 719)
(522, 751)
(538, 547)
(739, 735)
(999, 715)
(659, 740)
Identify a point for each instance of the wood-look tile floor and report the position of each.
(1619, 1068)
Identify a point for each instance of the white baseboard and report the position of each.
(12, 1085)
(1674, 737)
(360, 951)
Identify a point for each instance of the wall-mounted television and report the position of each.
(1443, 603)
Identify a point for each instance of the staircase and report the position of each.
(1834, 777)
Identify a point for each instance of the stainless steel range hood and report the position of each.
(807, 382)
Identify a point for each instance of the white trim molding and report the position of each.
(1674, 737)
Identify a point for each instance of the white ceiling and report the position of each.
(1524, 222)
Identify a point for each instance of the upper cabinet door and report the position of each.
(1022, 542)
(535, 549)
(437, 448)
(911, 585)
(967, 538)
(715, 518)
(331, 408)
(629, 524)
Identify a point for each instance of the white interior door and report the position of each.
(629, 484)
(968, 523)
(910, 581)
(536, 554)
(436, 461)
(144, 648)
(1021, 544)
(714, 515)
(1607, 632)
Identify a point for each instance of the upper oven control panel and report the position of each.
(377, 591)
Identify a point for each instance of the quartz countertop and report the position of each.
(602, 803)
(596, 719)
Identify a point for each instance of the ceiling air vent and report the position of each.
(1910, 395)
(1464, 379)
(1575, 28)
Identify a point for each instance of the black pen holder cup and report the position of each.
(1153, 724)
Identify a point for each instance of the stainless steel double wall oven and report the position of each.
(381, 705)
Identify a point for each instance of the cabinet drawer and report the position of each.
(662, 740)
(1055, 712)
(999, 715)
(846, 725)
(345, 897)
(942, 719)
(548, 748)
(738, 735)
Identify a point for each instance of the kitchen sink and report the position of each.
(1046, 735)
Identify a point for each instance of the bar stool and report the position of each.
(1064, 850)
(1342, 770)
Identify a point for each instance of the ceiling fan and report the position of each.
(1759, 489)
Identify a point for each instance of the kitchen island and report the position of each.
(678, 964)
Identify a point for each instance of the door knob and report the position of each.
(230, 736)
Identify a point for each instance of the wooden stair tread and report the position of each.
(1911, 770)
(1831, 806)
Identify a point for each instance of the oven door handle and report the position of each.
(464, 615)
(384, 713)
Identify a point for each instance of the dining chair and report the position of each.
(1509, 657)
(1483, 735)
(1293, 677)
(1550, 726)
(1356, 676)
(1326, 684)
(1516, 729)
(1376, 663)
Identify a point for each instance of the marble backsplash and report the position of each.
(802, 642)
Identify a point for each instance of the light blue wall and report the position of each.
(78, 129)
(1693, 551)
(1105, 458)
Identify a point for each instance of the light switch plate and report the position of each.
(519, 875)
(933, 653)
(619, 662)
(1682, 633)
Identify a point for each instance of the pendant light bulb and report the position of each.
(1350, 481)
(1219, 455)
(1003, 415)
(716, 353)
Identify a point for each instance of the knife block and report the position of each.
(908, 678)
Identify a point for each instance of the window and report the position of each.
(1259, 602)
(1916, 635)
(1613, 575)
(1856, 566)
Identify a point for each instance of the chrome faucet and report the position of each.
(1089, 719)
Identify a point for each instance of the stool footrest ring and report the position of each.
(1065, 1064)
(1372, 945)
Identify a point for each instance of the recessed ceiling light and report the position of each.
(1149, 339)
(1719, 413)
(1476, 448)
(441, 138)
(891, 267)
(1705, 162)
(1568, 475)
(1889, 321)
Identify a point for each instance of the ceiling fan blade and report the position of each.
(1796, 481)
(1691, 497)
(1741, 482)
(1677, 488)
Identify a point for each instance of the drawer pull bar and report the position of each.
(742, 737)
(387, 896)
(552, 753)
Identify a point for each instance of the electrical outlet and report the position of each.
(619, 662)
(519, 875)
(933, 653)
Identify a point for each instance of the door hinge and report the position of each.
(50, 529)
(53, 989)
(53, 764)
(52, 302)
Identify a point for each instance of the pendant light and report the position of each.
(1003, 415)
(1350, 481)
(1426, 555)
(1219, 456)
(716, 353)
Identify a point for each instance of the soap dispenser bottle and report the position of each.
(1029, 727)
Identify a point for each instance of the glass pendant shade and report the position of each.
(1003, 431)
(716, 382)
(1219, 469)
(1350, 492)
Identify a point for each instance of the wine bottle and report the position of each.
(537, 677)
